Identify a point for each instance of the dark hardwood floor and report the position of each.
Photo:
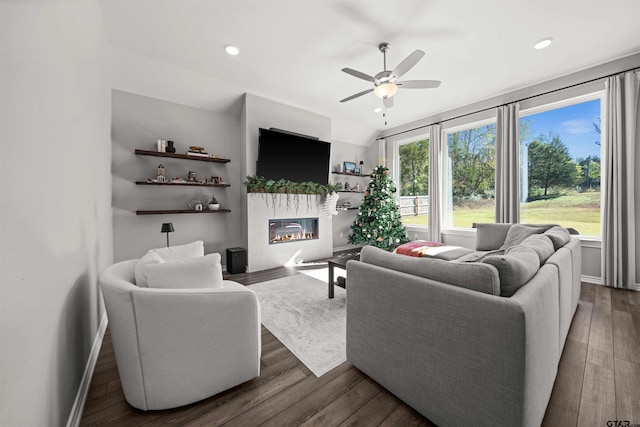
(598, 380)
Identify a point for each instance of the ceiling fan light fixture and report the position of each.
(385, 90)
(543, 43)
(231, 50)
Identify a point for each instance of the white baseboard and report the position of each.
(592, 279)
(83, 390)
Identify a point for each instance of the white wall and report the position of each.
(55, 228)
(137, 122)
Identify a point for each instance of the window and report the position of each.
(413, 166)
(471, 169)
(560, 165)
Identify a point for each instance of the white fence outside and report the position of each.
(414, 205)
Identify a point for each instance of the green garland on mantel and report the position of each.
(259, 184)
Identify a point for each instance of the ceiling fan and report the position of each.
(386, 83)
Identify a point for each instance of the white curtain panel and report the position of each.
(436, 172)
(621, 137)
(508, 164)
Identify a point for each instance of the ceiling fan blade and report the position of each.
(419, 84)
(358, 74)
(388, 102)
(406, 65)
(364, 92)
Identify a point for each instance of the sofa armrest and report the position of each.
(458, 356)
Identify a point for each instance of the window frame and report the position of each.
(396, 172)
(446, 178)
(542, 107)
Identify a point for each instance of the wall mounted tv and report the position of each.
(297, 158)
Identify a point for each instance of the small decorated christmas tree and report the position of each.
(378, 220)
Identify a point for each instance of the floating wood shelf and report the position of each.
(188, 184)
(181, 156)
(180, 211)
(352, 174)
(350, 191)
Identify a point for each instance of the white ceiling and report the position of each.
(293, 51)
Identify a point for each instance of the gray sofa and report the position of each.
(439, 335)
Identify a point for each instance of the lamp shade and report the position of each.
(385, 90)
(167, 227)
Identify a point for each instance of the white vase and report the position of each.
(214, 207)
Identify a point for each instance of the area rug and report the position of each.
(298, 312)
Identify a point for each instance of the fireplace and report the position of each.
(292, 230)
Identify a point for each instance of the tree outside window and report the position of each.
(414, 182)
(471, 183)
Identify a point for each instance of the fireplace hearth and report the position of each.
(292, 230)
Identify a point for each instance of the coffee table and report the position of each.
(339, 261)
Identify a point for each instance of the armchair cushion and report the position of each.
(192, 273)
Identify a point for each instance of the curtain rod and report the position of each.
(500, 105)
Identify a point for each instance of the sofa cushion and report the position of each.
(191, 273)
(541, 244)
(518, 232)
(149, 258)
(515, 268)
(490, 236)
(180, 252)
(559, 236)
(475, 276)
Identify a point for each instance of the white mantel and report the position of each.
(260, 209)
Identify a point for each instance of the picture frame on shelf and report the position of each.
(356, 170)
(349, 167)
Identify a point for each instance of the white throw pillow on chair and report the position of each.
(192, 273)
(149, 258)
(180, 252)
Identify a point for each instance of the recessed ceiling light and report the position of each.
(231, 50)
(377, 110)
(543, 43)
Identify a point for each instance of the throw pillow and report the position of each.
(149, 258)
(490, 236)
(515, 268)
(517, 233)
(559, 236)
(192, 273)
(541, 244)
(180, 252)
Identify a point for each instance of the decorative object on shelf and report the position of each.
(347, 187)
(160, 174)
(196, 149)
(161, 146)
(349, 167)
(167, 227)
(195, 204)
(172, 149)
(356, 171)
(346, 204)
(361, 166)
(378, 220)
(193, 177)
(217, 180)
(356, 187)
(213, 204)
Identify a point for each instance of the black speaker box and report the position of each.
(236, 260)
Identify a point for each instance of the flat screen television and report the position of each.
(292, 157)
